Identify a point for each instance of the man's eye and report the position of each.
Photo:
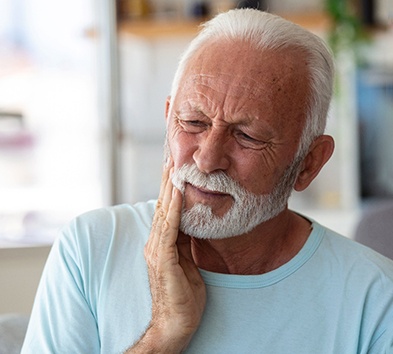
(245, 136)
(196, 123)
(249, 142)
(193, 126)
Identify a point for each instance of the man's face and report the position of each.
(239, 112)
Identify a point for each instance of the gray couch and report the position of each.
(12, 332)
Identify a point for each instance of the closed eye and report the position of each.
(196, 123)
(193, 126)
(246, 136)
(248, 141)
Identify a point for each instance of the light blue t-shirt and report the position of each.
(335, 296)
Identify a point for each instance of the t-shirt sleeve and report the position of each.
(62, 320)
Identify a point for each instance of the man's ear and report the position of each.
(167, 107)
(320, 152)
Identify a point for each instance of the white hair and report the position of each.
(267, 31)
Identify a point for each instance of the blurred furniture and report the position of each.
(375, 114)
(12, 333)
(375, 228)
(20, 272)
(11, 114)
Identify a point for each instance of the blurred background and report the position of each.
(83, 85)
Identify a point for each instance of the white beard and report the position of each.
(248, 209)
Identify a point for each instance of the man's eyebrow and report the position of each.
(190, 112)
(194, 107)
(200, 77)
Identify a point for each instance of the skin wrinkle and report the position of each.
(200, 250)
(268, 156)
(200, 94)
(246, 121)
(281, 78)
(237, 90)
(243, 125)
(209, 80)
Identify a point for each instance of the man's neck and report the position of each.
(267, 247)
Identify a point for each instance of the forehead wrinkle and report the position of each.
(220, 84)
(240, 117)
(243, 120)
(193, 106)
(198, 104)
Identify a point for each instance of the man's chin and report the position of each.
(207, 226)
(202, 234)
(216, 211)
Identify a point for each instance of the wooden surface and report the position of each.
(159, 28)
(164, 28)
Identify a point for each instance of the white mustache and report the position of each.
(215, 182)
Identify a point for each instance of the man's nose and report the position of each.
(212, 153)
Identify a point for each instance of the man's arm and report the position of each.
(61, 320)
(177, 288)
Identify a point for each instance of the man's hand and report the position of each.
(177, 289)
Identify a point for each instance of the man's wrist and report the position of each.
(156, 341)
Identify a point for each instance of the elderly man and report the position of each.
(219, 264)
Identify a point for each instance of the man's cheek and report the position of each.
(178, 152)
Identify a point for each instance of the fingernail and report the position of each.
(168, 161)
(175, 191)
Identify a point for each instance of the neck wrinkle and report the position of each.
(264, 249)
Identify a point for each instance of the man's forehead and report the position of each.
(237, 54)
(262, 83)
(225, 83)
(242, 62)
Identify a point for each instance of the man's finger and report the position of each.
(172, 220)
(158, 217)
